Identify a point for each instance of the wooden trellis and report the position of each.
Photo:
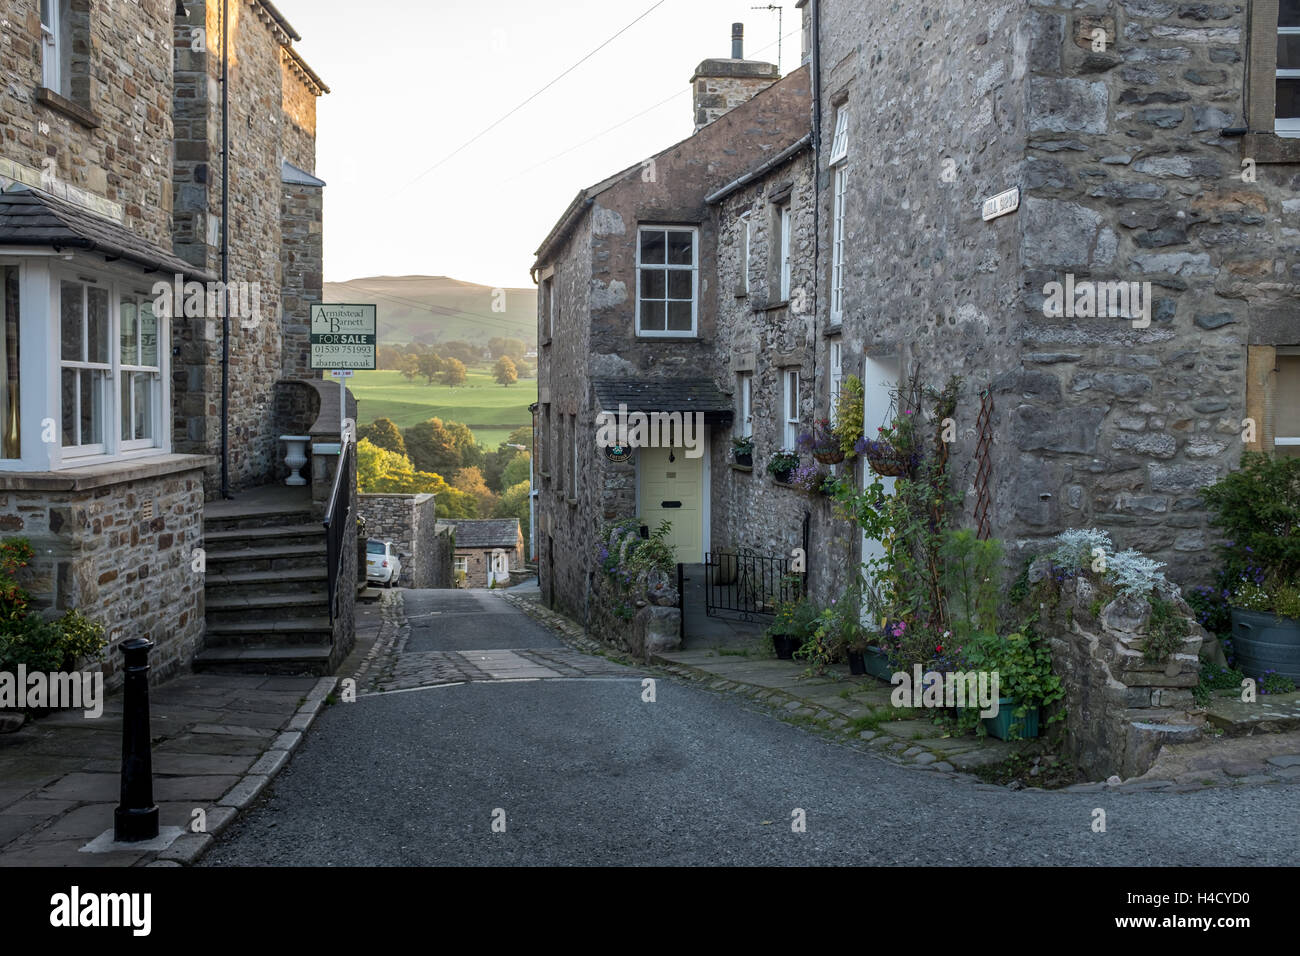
(983, 464)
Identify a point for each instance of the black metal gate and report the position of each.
(747, 585)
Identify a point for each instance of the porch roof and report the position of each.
(673, 395)
(29, 217)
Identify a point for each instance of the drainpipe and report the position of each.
(816, 71)
(225, 251)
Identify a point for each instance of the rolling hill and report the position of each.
(433, 309)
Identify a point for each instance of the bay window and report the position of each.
(667, 280)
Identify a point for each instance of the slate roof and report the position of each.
(32, 218)
(671, 395)
(486, 533)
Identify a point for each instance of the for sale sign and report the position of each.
(343, 336)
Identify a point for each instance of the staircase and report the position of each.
(265, 588)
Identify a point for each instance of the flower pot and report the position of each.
(783, 476)
(1000, 726)
(829, 456)
(786, 645)
(1265, 642)
(876, 662)
(887, 461)
(745, 458)
(857, 665)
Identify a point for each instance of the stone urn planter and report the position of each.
(1266, 642)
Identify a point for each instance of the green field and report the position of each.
(491, 410)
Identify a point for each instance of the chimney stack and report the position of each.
(719, 86)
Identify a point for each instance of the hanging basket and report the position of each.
(886, 460)
(828, 456)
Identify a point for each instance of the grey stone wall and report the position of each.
(409, 522)
(122, 554)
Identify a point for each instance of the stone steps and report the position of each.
(265, 518)
(247, 606)
(292, 581)
(242, 539)
(267, 558)
(266, 658)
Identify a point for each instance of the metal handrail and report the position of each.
(334, 530)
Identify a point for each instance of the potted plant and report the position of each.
(822, 443)
(808, 479)
(893, 451)
(1026, 683)
(782, 465)
(1258, 510)
(792, 626)
(742, 450)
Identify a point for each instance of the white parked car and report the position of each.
(382, 564)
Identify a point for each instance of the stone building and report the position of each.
(1143, 153)
(111, 169)
(485, 551)
(631, 316)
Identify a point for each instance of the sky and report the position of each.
(414, 80)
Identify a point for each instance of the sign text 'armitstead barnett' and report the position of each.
(342, 336)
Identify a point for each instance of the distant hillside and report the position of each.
(433, 309)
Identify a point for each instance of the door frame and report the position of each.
(706, 489)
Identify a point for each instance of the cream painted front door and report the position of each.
(673, 491)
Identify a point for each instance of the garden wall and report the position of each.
(1120, 707)
(408, 521)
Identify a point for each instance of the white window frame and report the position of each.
(746, 392)
(42, 364)
(51, 45)
(783, 294)
(744, 253)
(840, 138)
(694, 268)
(790, 409)
(124, 369)
(836, 360)
(460, 562)
(1288, 126)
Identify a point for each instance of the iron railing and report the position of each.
(748, 585)
(337, 514)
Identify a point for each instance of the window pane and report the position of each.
(679, 248)
(679, 284)
(45, 12)
(652, 247)
(148, 335)
(130, 338)
(92, 406)
(1286, 402)
(10, 445)
(652, 316)
(1288, 98)
(97, 347)
(1288, 14)
(1288, 51)
(71, 313)
(652, 283)
(145, 386)
(126, 406)
(69, 423)
(679, 316)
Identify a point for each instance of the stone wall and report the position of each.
(642, 618)
(301, 253)
(409, 522)
(115, 142)
(119, 552)
(259, 131)
(1120, 707)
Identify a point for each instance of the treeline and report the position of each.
(444, 459)
(446, 362)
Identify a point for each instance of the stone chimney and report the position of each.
(719, 86)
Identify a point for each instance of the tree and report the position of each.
(514, 348)
(514, 504)
(470, 481)
(453, 373)
(430, 365)
(461, 351)
(388, 357)
(505, 372)
(523, 435)
(517, 470)
(384, 433)
(409, 366)
(433, 447)
(380, 471)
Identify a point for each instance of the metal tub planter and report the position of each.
(1266, 642)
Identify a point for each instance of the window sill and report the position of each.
(832, 331)
(87, 477)
(683, 337)
(545, 343)
(571, 502)
(772, 306)
(61, 104)
(744, 468)
(1270, 148)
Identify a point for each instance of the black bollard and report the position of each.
(136, 817)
